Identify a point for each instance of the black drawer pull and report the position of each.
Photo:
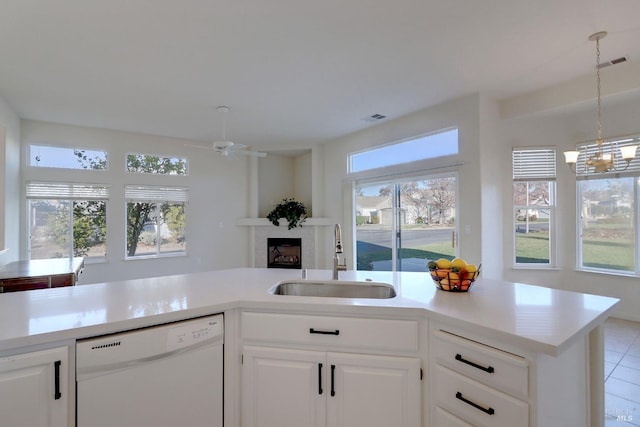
(488, 369)
(489, 410)
(56, 368)
(315, 331)
(320, 391)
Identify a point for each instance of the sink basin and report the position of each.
(334, 289)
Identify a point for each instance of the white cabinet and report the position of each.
(283, 386)
(480, 384)
(373, 391)
(34, 389)
(476, 380)
(280, 388)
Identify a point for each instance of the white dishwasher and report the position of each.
(162, 376)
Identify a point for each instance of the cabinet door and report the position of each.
(373, 391)
(34, 389)
(283, 388)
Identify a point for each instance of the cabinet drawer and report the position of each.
(492, 366)
(24, 284)
(443, 418)
(476, 403)
(352, 332)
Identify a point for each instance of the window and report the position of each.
(401, 224)
(607, 210)
(421, 148)
(534, 174)
(67, 220)
(156, 221)
(608, 224)
(66, 158)
(145, 163)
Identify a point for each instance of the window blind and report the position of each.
(142, 193)
(66, 191)
(589, 149)
(534, 164)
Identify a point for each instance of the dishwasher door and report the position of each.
(164, 376)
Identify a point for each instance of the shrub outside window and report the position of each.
(67, 220)
(159, 165)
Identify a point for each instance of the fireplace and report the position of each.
(284, 253)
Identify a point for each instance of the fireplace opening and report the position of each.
(284, 253)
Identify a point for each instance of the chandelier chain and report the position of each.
(600, 139)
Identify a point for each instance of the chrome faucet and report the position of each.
(337, 243)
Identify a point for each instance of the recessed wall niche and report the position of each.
(284, 174)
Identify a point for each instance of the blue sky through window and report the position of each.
(64, 157)
(426, 147)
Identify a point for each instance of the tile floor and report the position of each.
(622, 373)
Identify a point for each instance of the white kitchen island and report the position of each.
(549, 341)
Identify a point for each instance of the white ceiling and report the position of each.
(294, 72)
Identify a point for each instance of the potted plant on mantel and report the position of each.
(290, 209)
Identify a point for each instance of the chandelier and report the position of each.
(601, 160)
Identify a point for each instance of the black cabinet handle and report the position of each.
(316, 331)
(489, 410)
(488, 369)
(320, 391)
(56, 369)
(333, 371)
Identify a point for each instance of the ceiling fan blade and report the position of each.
(251, 153)
(201, 147)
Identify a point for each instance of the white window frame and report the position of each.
(529, 165)
(156, 195)
(159, 156)
(424, 138)
(36, 190)
(35, 146)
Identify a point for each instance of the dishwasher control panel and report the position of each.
(186, 334)
(125, 349)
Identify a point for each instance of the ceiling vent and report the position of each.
(374, 118)
(613, 62)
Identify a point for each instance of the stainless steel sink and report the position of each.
(334, 289)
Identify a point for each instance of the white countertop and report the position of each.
(542, 319)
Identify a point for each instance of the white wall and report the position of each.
(217, 197)
(561, 129)
(485, 184)
(281, 177)
(9, 183)
(302, 181)
(275, 182)
(461, 113)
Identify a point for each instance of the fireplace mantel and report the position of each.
(264, 222)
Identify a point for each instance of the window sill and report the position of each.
(160, 256)
(608, 273)
(535, 268)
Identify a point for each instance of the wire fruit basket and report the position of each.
(454, 279)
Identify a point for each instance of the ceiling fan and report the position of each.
(225, 148)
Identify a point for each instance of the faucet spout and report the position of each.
(337, 239)
(337, 244)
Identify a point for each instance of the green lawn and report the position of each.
(618, 254)
(531, 248)
(380, 253)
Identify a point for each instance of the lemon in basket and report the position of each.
(458, 263)
(443, 263)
